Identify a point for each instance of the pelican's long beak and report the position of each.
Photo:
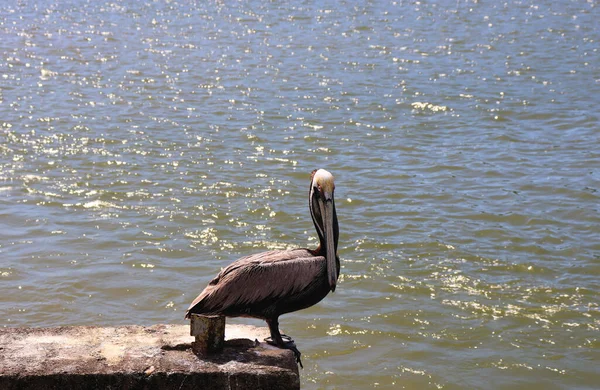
(329, 221)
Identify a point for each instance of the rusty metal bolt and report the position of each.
(209, 332)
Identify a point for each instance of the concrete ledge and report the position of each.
(136, 357)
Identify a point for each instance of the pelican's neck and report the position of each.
(321, 194)
(322, 211)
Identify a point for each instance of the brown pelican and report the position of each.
(269, 284)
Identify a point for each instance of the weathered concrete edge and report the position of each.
(136, 357)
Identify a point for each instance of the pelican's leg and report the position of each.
(277, 340)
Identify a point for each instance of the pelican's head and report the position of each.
(322, 210)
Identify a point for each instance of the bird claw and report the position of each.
(288, 343)
(297, 354)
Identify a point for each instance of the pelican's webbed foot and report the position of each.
(287, 343)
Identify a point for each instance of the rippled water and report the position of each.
(145, 145)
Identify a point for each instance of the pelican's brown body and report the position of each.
(269, 284)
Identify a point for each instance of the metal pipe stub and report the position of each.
(209, 333)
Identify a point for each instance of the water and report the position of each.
(145, 145)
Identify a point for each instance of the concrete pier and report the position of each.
(136, 357)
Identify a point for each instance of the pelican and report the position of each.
(269, 284)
